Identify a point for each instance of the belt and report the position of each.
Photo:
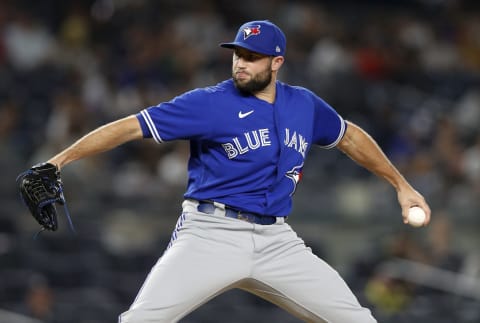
(209, 207)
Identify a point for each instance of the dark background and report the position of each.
(406, 71)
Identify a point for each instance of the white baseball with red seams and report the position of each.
(416, 216)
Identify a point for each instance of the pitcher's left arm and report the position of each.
(362, 148)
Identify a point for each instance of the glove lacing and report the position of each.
(39, 192)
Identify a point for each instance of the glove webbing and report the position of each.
(49, 201)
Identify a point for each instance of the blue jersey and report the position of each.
(245, 152)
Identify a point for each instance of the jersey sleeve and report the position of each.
(329, 126)
(185, 117)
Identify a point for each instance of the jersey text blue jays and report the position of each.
(245, 152)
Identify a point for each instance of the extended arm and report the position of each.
(99, 140)
(361, 148)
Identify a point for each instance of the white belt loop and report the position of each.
(189, 205)
(219, 208)
(280, 220)
(219, 205)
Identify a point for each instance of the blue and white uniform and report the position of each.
(245, 152)
(246, 161)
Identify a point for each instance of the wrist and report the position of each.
(56, 162)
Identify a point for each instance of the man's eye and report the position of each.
(252, 58)
(248, 57)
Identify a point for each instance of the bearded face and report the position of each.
(257, 82)
(251, 72)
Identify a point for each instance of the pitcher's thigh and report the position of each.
(309, 288)
(189, 274)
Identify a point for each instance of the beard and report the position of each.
(256, 84)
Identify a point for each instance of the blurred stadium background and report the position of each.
(406, 70)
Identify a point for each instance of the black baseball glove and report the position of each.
(40, 188)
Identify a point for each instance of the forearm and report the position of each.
(360, 147)
(100, 140)
(363, 149)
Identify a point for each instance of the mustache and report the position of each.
(240, 70)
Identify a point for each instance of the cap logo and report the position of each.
(251, 30)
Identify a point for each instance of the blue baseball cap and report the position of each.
(260, 36)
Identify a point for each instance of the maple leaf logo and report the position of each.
(251, 31)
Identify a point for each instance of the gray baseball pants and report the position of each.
(211, 253)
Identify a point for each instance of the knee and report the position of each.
(143, 316)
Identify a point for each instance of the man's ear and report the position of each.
(277, 62)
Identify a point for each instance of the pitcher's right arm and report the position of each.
(100, 140)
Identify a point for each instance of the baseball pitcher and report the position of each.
(249, 137)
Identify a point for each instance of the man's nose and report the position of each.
(241, 62)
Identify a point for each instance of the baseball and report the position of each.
(416, 216)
